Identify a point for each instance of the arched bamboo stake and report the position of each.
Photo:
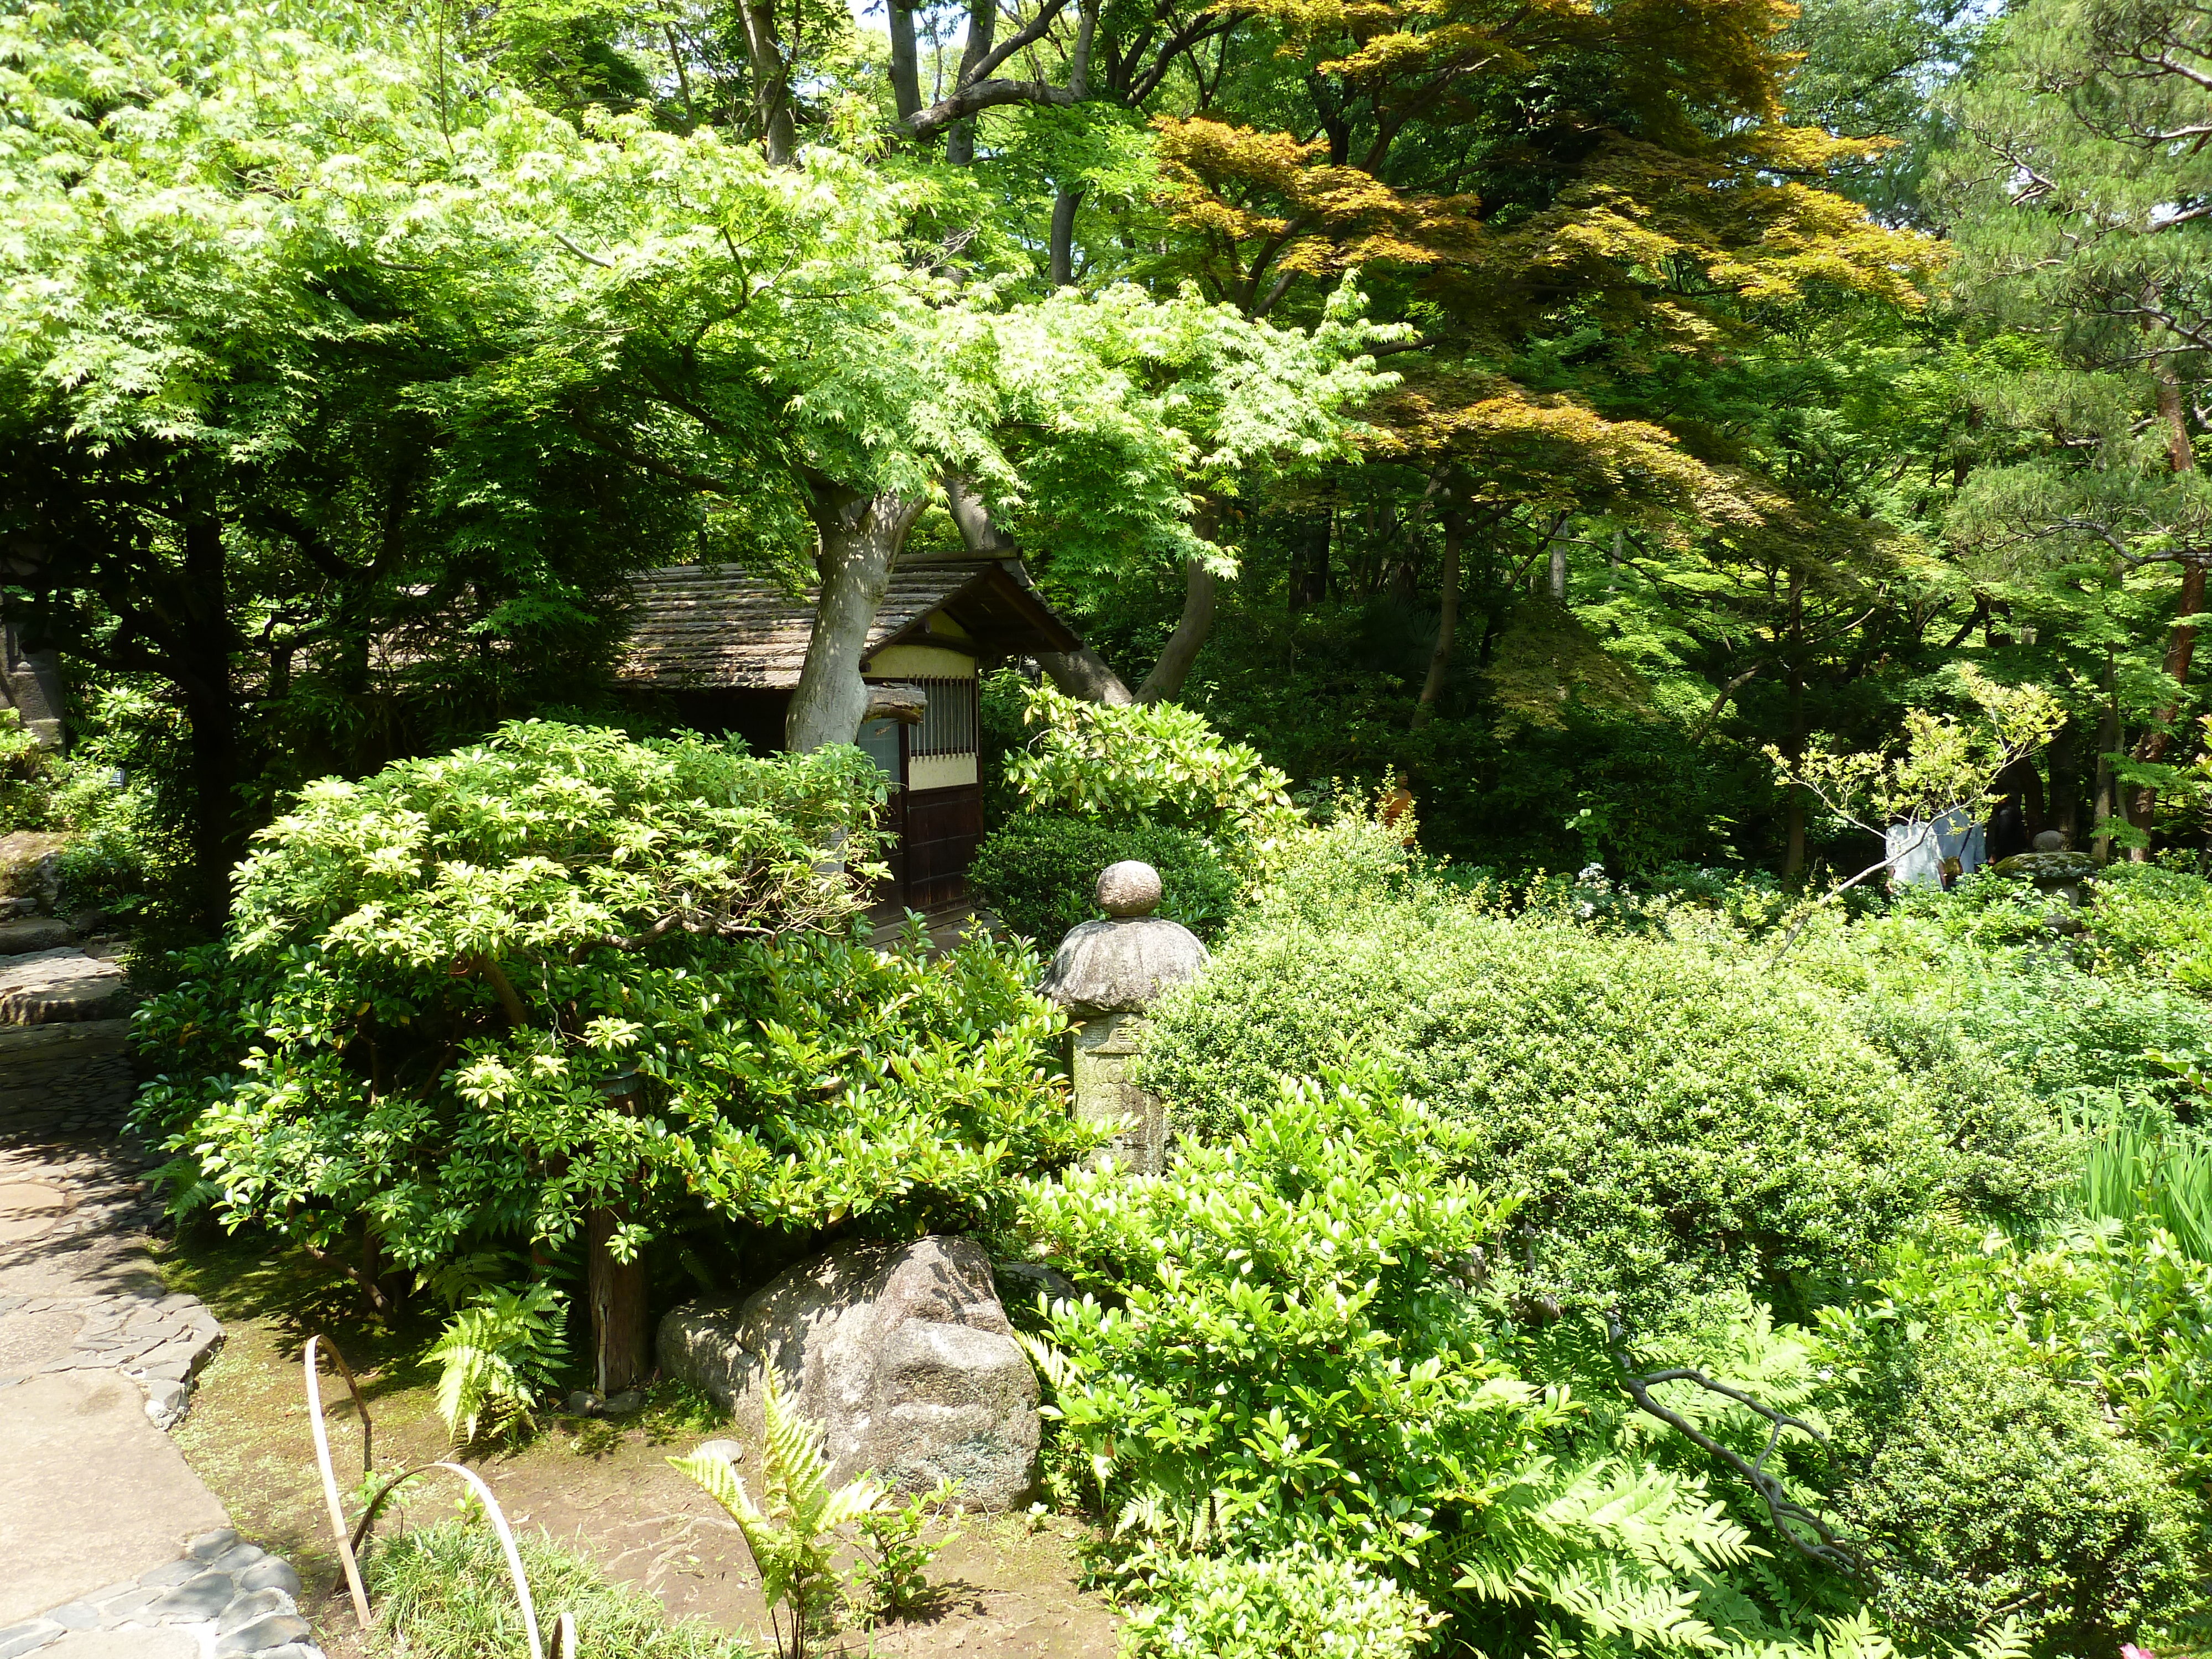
(498, 1519)
(354, 1585)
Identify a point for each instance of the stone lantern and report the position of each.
(1106, 974)
(2056, 873)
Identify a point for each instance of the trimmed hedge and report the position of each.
(1037, 871)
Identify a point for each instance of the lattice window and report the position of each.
(949, 724)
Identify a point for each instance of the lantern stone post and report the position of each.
(1106, 974)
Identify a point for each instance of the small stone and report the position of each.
(18, 1639)
(730, 1451)
(172, 1572)
(209, 1545)
(584, 1402)
(1131, 888)
(238, 1558)
(247, 1608)
(269, 1573)
(76, 1615)
(203, 1597)
(292, 1650)
(128, 1602)
(276, 1630)
(621, 1405)
(165, 1404)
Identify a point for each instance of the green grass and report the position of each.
(2134, 1167)
(442, 1592)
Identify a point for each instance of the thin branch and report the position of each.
(1825, 1546)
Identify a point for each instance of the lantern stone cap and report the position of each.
(1131, 888)
(1119, 966)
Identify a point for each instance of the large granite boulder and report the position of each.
(902, 1352)
(30, 868)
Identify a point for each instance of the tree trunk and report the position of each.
(2181, 645)
(1085, 674)
(1164, 683)
(771, 82)
(906, 63)
(1063, 237)
(861, 536)
(2106, 803)
(1794, 853)
(1309, 583)
(1558, 568)
(982, 31)
(2064, 812)
(622, 1346)
(202, 648)
(1447, 623)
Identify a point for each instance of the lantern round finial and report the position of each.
(1131, 888)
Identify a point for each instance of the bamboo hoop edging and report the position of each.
(349, 1547)
(330, 1498)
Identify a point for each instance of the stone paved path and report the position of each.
(110, 1546)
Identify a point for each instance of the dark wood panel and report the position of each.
(942, 828)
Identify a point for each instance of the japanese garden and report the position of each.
(1105, 829)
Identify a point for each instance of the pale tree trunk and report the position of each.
(2181, 645)
(1064, 205)
(982, 34)
(861, 536)
(906, 62)
(1164, 683)
(771, 80)
(1447, 623)
(1560, 565)
(1082, 673)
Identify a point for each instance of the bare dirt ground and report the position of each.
(1008, 1586)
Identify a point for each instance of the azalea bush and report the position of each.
(467, 999)
(1147, 763)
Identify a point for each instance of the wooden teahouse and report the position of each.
(724, 648)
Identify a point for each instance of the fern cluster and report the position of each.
(793, 1529)
(498, 1358)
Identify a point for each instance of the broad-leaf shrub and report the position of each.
(468, 999)
(1678, 1121)
(1317, 1605)
(1146, 763)
(1300, 1348)
(1037, 872)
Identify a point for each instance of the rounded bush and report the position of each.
(1038, 871)
(1986, 1489)
(1677, 1122)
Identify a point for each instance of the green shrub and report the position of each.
(2152, 920)
(1315, 1605)
(468, 999)
(1679, 1121)
(1038, 872)
(1985, 1489)
(443, 1592)
(1299, 1343)
(1149, 762)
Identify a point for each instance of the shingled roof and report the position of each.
(711, 627)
